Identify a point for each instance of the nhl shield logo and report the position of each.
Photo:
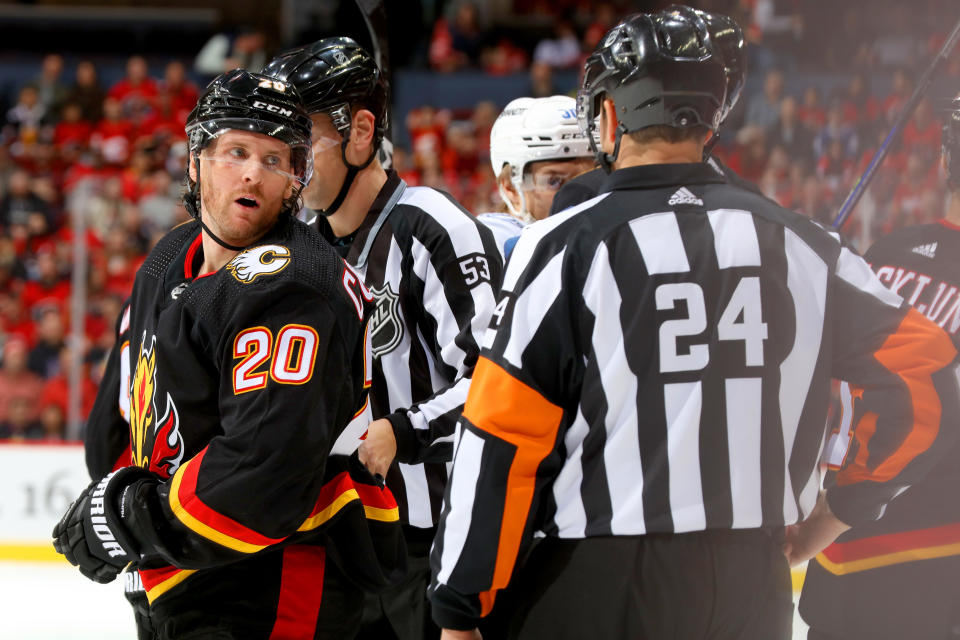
(386, 327)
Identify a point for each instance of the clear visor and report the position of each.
(322, 143)
(289, 155)
(550, 180)
(235, 162)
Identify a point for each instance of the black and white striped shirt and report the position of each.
(660, 361)
(434, 272)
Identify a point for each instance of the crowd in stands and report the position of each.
(113, 157)
(72, 149)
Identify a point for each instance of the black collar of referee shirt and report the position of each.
(654, 176)
(360, 242)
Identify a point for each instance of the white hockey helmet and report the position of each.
(534, 129)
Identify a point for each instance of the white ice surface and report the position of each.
(52, 601)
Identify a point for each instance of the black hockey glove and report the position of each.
(91, 533)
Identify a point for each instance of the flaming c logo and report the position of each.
(164, 434)
(249, 265)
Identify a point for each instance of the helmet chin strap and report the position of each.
(217, 239)
(521, 213)
(352, 171)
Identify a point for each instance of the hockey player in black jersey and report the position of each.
(433, 271)
(897, 577)
(246, 363)
(651, 400)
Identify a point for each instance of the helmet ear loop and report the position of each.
(192, 200)
(607, 159)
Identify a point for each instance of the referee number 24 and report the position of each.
(742, 319)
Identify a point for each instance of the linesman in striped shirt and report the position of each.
(651, 399)
(432, 271)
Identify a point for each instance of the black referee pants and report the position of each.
(706, 585)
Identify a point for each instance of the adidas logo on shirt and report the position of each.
(927, 250)
(684, 196)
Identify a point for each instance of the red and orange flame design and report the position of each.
(166, 450)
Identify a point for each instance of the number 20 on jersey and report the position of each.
(291, 355)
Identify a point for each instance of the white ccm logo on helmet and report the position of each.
(257, 104)
(258, 261)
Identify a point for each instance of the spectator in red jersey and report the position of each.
(403, 165)
(53, 423)
(811, 112)
(751, 153)
(899, 95)
(908, 200)
(122, 259)
(16, 381)
(484, 115)
(56, 390)
(182, 93)
(503, 58)
(921, 134)
(459, 157)
(859, 107)
(44, 358)
(15, 322)
(47, 286)
(162, 124)
(72, 134)
(21, 422)
(50, 87)
(113, 135)
(87, 92)
(604, 18)
(137, 90)
(457, 44)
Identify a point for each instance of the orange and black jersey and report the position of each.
(896, 577)
(240, 383)
(660, 362)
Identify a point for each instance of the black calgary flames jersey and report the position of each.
(895, 578)
(239, 384)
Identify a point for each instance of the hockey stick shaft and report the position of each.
(375, 16)
(925, 81)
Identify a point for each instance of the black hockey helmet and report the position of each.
(332, 75)
(728, 38)
(665, 68)
(252, 102)
(951, 143)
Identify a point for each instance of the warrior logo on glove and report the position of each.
(98, 521)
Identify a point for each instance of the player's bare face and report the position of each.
(329, 171)
(543, 179)
(245, 177)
